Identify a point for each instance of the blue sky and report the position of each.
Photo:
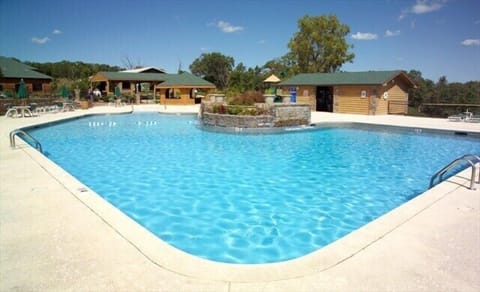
(436, 37)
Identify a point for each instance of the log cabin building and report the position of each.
(368, 93)
(12, 71)
(154, 85)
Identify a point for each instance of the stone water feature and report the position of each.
(262, 115)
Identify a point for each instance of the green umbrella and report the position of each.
(117, 91)
(64, 92)
(22, 89)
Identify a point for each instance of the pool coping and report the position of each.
(172, 259)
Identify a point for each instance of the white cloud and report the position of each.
(262, 42)
(364, 36)
(389, 33)
(227, 27)
(403, 14)
(422, 7)
(471, 42)
(40, 41)
(57, 31)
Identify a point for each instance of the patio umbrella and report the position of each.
(117, 91)
(22, 90)
(64, 92)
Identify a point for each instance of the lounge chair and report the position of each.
(460, 117)
(11, 111)
(34, 109)
(473, 119)
(457, 118)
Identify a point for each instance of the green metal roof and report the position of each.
(129, 76)
(344, 78)
(185, 79)
(14, 69)
(163, 79)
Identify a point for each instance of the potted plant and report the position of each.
(85, 102)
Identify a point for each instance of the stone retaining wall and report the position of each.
(278, 115)
(287, 115)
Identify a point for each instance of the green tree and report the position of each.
(441, 93)
(423, 90)
(71, 70)
(213, 67)
(320, 45)
(472, 94)
(283, 67)
(242, 79)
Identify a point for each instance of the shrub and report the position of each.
(234, 110)
(247, 98)
(219, 108)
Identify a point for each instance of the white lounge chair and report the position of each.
(473, 119)
(460, 117)
(456, 118)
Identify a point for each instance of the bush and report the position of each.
(234, 110)
(247, 98)
(219, 108)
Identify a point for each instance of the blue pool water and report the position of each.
(247, 198)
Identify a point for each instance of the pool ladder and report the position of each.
(18, 132)
(471, 159)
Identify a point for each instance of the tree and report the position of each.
(320, 45)
(129, 64)
(282, 67)
(213, 67)
(441, 92)
(242, 79)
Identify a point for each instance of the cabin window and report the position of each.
(126, 85)
(173, 93)
(37, 86)
(363, 94)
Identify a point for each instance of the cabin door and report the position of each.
(324, 99)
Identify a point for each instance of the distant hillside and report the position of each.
(71, 70)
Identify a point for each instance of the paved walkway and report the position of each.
(55, 234)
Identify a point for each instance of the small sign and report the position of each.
(363, 94)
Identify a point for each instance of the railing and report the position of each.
(397, 107)
(471, 159)
(17, 132)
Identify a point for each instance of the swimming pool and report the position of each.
(247, 198)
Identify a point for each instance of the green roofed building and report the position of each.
(369, 92)
(12, 71)
(154, 85)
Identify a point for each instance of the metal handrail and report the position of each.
(14, 133)
(465, 158)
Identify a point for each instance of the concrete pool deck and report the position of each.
(56, 234)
